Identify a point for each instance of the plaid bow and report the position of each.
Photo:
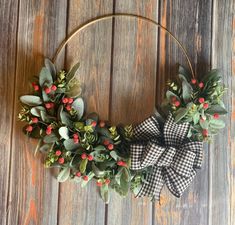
(172, 156)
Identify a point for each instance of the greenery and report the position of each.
(197, 102)
(84, 147)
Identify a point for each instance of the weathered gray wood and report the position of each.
(133, 91)
(221, 157)
(190, 22)
(33, 190)
(92, 48)
(8, 34)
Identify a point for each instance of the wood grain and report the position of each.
(195, 34)
(221, 158)
(92, 48)
(125, 64)
(133, 91)
(33, 190)
(8, 36)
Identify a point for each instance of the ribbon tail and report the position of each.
(153, 185)
(177, 183)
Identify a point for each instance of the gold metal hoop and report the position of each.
(108, 16)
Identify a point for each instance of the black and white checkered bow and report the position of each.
(172, 156)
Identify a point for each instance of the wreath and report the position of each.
(165, 149)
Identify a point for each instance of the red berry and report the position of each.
(106, 142)
(34, 119)
(193, 81)
(110, 147)
(53, 87)
(85, 178)
(107, 181)
(76, 140)
(68, 107)
(48, 105)
(29, 128)
(75, 136)
(70, 100)
(205, 132)
(205, 105)
(61, 160)
(52, 104)
(102, 124)
(216, 116)
(99, 184)
(90, 157)
(121, 163)
(201, 85)
(65, 100)
(201, 100)
(78, 174)
(58, 152)
(47, 90)
(177, 103)
(48, 131)
(93, 123)
(83, 156)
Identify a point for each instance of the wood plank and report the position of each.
(222, 163)
(190, 22)
(133, 91)
(8, 30)
(33, 189)
(92, 48)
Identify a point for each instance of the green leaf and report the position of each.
(170, 94)
(64, 132)
(204, 124)
(50, 138)
(213, 75)
(31, 100)
(70, 145)
(93, 116)
(71, 74)
(65, 118)
(99, 148)
(45, 77)
(186, 91)
(217, 124)
(63, 175)
(196, 118)
(180, 114)
(83, 165)
(114, 155)
(51, 67)
(104, 192)
(78, 105)
(36, 111)
(184, 72)
(98, 173)
(216, 109)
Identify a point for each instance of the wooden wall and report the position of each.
(125, 65)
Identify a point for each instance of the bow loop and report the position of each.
(172, 156)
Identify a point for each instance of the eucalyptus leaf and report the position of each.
(70, 145)
(186, 91)
(65, 118)
(63, 175)
(114, 155)
(64, 132)
(45, 77)
(51, 67)
(78, 105)
(50, 138)
(82, 166)
(36, 111)
(180, 114)
(71, 74)
(216, 109)
(31, 100)
(184, 72)
(213, 75)
(98, 173)
(217, 124)
(104, 192)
